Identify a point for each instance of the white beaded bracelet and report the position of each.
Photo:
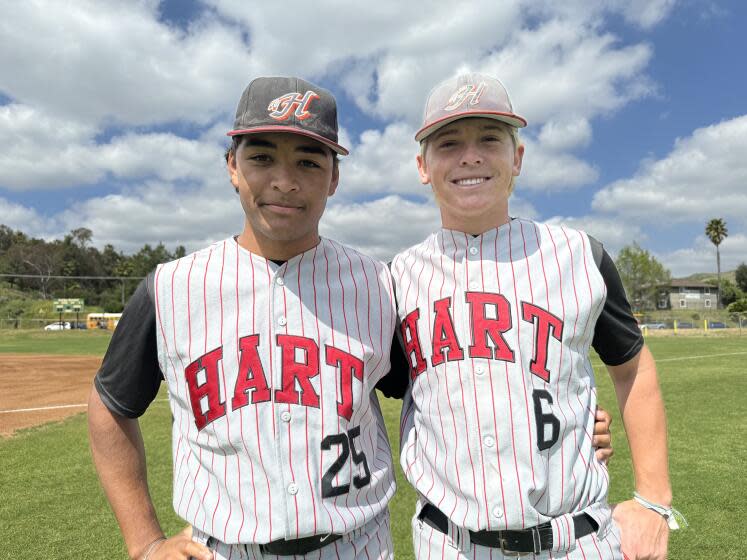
(670, 514)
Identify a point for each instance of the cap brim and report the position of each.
(508, 118)
(331, 145)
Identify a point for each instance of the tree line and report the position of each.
(643, 276)
(74, 255)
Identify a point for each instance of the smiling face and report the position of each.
(283, 181)
(470, 164)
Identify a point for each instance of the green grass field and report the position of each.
(52, 505)
(39, 341)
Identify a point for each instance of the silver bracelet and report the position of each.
(670, 514)
(151, 546)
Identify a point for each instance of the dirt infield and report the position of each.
(41, 382)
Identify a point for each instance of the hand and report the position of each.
(644, 533)
(602, 439)
(180, 547)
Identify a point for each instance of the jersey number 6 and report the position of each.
(347, 443)
(545, 419)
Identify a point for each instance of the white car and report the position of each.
(655, 326)
(58, 326)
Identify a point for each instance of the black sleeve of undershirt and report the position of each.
(130, 376)
(617, 337)
(394, 384)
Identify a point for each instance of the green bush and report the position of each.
(739, 306)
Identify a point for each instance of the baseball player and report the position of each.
(497, 316)
(271, 343)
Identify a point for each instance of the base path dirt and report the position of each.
(40, 388)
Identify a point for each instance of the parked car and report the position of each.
(685, 325)
(64, 326)
(654, 326)
(716, 325)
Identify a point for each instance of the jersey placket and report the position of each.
(470, 281)
(482, 368)
(282, 412)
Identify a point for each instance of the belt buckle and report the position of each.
(510, 553)
(536, 542)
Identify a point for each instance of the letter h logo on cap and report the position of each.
(281, 107)
(466, 92)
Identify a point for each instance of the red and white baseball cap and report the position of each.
(467, 95)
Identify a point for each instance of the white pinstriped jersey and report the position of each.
(498, 421)
(277, 431)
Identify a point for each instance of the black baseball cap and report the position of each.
(284, 104)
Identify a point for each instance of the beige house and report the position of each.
(688, 294)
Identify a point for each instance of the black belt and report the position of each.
(298, 546)
(523, 541)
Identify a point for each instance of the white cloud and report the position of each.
(382, 162)
(108, 61)
(24, 219)
(118, 64)
(44, 152)
(565, 134)
(160, 212)
(640, 13)
(40, 149)
(382, 227)
(546, 169)
(701, 256)
(103, 69)
(613, 234)
(645, 13)
(560, 71)
(388, 30)
(521, 208)
(165, 156)
(704, 175)
(390, 54)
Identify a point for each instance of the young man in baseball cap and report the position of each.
(271, 343)
(497, 316)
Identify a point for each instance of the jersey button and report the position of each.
(293, 489)
(479, 370)
(497, 512)
(282, 321)
(279, 281)
(473, 285)
(285, 416)
(473, 250)
(488, 441)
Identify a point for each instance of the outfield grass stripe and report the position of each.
(678, 358)
(595, 361)
(54, 407)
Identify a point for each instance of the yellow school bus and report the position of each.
(102, 320)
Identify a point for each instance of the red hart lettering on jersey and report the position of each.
(251, 378)
(486, 330)
(294, 103)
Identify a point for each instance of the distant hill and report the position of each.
(711, 276)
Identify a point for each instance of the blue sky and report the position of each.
(113, 115)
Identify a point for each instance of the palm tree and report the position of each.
(716, 232)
